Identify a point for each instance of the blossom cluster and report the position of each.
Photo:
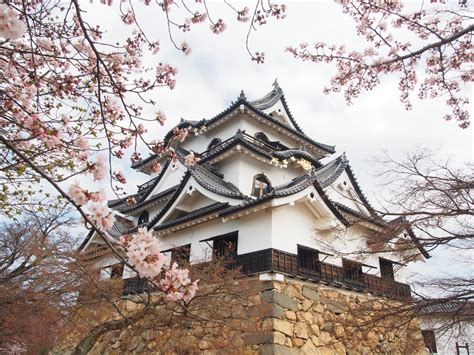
(11, 27)
(143, 253)
(430, 50)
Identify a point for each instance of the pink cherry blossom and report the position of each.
(11, 27)
(78, 195)
(143, 252)
(99, 168)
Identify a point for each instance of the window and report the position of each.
(225, 245)
(261, 185)
(386, 269)
(262, 137)
(213, 143)
(308, 259)
(144, 217)
(181, 254)
(117, 271)
(352, 270)
(430, 340)
(111, 272)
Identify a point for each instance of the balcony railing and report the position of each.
(276, 260)
(268, 260)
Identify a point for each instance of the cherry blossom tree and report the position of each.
(73, 104)
(428, 45)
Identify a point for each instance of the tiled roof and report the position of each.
(254, 108)
(296, 185)
(121, 226)
(331, 171)
(370, 218)
(447, 308)
(214, 183)
(146, 203)
(271, 99)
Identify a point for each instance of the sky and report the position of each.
(218, 68)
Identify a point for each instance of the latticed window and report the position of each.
(181, 254)
(261, 185)
(352, 270)
(225, 245)
(429, 340)
(308, 259)
(144, 217)
(386, 269)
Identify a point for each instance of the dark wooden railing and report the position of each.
(276, 260)
(134, 285)
(268, 260)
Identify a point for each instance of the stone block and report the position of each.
(315, 329)
(307, 304)
(283, 326)
(335, 307)
(301, 331)
(308, 348)
(258, 338)
(290, 315)
(318, 319)
(297, 342)
(275, 349)
(325, 338)
(282, 300)
(325, 351)
(319, 308)
(311, 293)
(276, 311)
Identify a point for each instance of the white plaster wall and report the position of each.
(171, 177)
(292, 225)
(255, 232)
(345, 194)
(249, 167)
(446, 341)
(278, 107)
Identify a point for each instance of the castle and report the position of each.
(286, 206)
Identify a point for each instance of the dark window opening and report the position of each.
(144, 217)
(261, 185)
(430, 340)
(308, 259)
(181, 254)
(225, 245)
(352, 270)
(116, 271)
(262, 137)
(386, 269)
(213, 143)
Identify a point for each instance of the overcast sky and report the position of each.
(219, 67)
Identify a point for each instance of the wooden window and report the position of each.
(261, 185)
(225, 245)
(386, 269)
(430, 340)
(308, 259)
(352, 270)
(116, 271)
(144, 217)
(262, 137)
(181, 254)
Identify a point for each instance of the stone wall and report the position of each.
(270, 317)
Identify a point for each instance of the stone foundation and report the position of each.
(274, 317)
